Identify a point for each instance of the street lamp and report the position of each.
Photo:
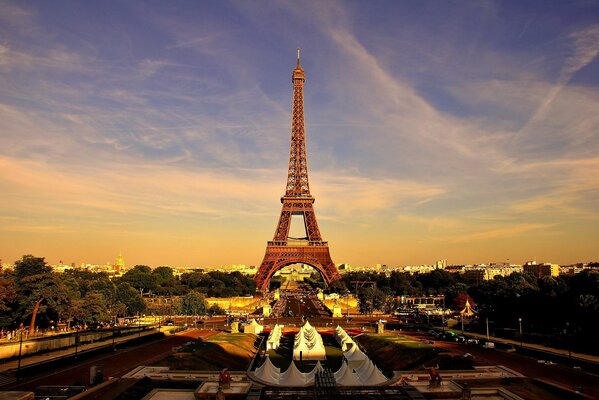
(520, 324)
(76, 341)
(20, 348)
(569, 343)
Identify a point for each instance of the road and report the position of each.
(114, 364)
(562, 375)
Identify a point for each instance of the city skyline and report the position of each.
(434, 131)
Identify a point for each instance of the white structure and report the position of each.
(293, 377)
(344, 340)
(268, 372)
(253, 327)
(274, 338)
(355, 357)
(308, 344)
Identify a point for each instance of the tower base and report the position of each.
(281, 254)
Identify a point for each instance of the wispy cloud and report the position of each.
(420, 127)
(514, 231)
(584, 51)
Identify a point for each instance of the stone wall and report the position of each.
(31, 346)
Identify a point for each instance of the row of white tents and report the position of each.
(367, 374)
(272, 375)
(274, 338)
(356, 369)
(344, 340)
(308, 344)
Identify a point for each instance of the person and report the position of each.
(224, 379)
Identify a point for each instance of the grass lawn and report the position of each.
(393, 352)
(223, 350)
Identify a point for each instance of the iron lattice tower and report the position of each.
(297, 201)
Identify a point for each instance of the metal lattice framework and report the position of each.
(283, 250)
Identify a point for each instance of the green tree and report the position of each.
(165, 280)
(193, 303)
(36, 286)
(130, 298)
(215, 309)
(371, 299)
(8, 298)
(94, 308)
(140, 277)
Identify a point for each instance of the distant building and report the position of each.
(541, 270)
(421, 301)
(119, 265)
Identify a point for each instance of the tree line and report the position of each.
(33, 295)
(562, 310)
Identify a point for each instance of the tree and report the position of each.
(164, 279)
(193, 303)
(94, 308)
(35, 285)
(371, 299)
(140, 277)
(130, 298)
(8, 298)
(215, 309)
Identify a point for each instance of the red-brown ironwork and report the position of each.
(283, 250)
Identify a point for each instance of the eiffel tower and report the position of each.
(297, 202)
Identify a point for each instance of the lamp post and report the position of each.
(568, 341)
(520, 325)
(113, 333)
(487, 324)
(76, 341)
(20, 348)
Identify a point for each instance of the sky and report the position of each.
(458, 130)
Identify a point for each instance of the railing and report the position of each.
(297, 243)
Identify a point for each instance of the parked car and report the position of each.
(489, 346)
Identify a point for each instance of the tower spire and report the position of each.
(297, 176)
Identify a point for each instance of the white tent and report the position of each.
(340, 371)
(365, 368)
(346, 343)
(308, 344)
(348, 378)
(253, 327)
(344, 340)
(310, 376)
(292, 377)
(274, 338)
(375, 377)
(355, 356)
(268, 372)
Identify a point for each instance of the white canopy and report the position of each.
(365, 368)
(340, 371)
(292, 377)
(347, 378)
(308, 344)
(355, 356)
(274, 338)
(253, 327)
(375, 377)
(268, 372)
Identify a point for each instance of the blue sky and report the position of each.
(458, 130)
